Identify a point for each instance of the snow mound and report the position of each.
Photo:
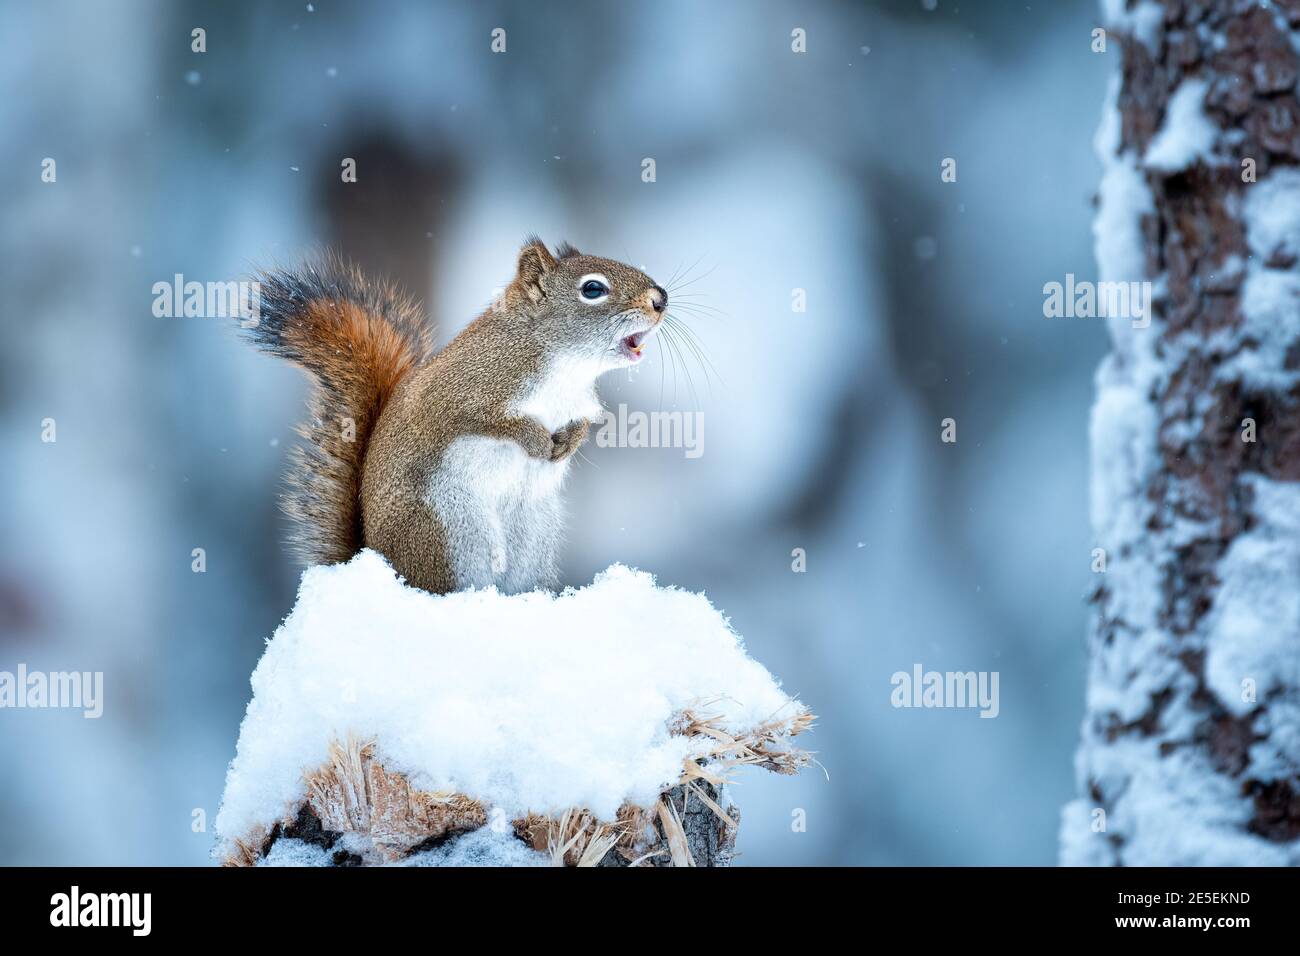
(526, 703)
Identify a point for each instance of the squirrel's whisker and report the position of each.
(670, 336)
(686, 279)
(701, 354)
(687, 283)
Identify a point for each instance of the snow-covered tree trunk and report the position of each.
(1191, 741)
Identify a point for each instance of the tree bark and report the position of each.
(1190, 749)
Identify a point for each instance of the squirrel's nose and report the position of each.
(658, 298)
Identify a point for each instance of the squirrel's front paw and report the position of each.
(566, 441)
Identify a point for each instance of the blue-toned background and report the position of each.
(775, 171)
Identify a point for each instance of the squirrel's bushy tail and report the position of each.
(358, 340)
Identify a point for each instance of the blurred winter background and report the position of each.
(775, 171)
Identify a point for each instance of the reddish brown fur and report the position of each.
(357, 358)
(368, 352)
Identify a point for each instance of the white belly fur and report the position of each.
(567, 392)
(501, 510)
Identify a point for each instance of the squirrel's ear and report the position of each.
(535, 260)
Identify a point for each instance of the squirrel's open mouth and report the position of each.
(632, 345)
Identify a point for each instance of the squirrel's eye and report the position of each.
(594, 289)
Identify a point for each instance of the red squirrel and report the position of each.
(450, 464)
